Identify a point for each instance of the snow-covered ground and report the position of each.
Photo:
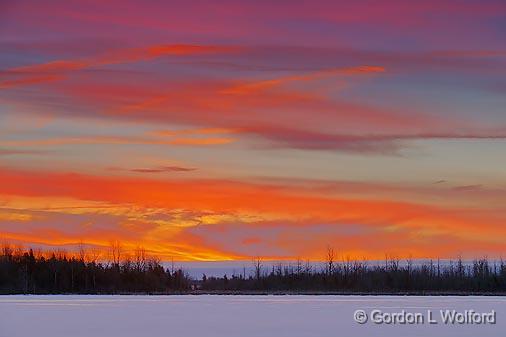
(234, 316)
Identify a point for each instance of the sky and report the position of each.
(217, 131)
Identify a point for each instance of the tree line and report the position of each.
(57, 272)
(352, 276)
(37, 272)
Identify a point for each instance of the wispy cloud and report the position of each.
(379, 143)
(252, 87)
(149, 139)
(196, 213)
(55, 70)
(201, 141)
(158, 169)
(14, 152)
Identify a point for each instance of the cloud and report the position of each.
(249, 88)
(149, 139)
(223, 219)
(55, 70)
(216, 108)
(278, 137)
(9, 152)
(468, 188)
(196, 131)
(284, 111)
(374, 144)
(252, 22)
(161, 169)
(6, 84)
(201, 141)
(222, 196)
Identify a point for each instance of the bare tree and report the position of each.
(279, 269)
(347, 264)
(298, 268)
(93, 255)
(409, 264)
(308, 269)
(172, 268)
(330, 260)
(257, 264)
(115, 250)
(140, 258)
(7, 250)
(460, 267)
(81, 251)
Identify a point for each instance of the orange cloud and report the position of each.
(201, 141)
(212, 204)
(54, 66)
(183, 49)
(197, 131)
(161, 169)
(120, 140)
(29, 80)
(249, 88)
(31, 74)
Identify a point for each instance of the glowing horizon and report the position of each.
(205, 132)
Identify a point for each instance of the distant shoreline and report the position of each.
(29, 272)
(272, 293)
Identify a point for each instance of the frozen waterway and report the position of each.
(245, 316)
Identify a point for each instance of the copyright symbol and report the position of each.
(360, 316)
